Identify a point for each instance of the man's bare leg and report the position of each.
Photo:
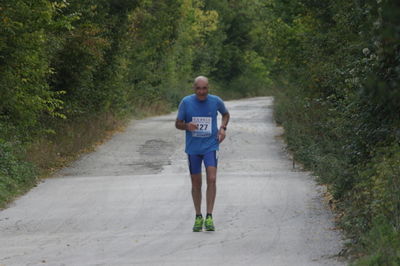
(211, 187)
(196, 192)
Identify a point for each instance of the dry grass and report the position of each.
(81, 136)
(157, 108)
(71, 140)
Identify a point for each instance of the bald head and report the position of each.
(201, 79)
(200, 87)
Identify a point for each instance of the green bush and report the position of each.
(381, 245)
(16, 176)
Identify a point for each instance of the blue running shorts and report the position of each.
(210, 159)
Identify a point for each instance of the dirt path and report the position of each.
(129, 203)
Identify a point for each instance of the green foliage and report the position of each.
(338, 62)
(386, 184)
(381, 244)
(24, 91)
(243, 68)
(378, 191)
(15, 175)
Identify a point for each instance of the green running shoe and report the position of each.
(209, 224)
(198, 224)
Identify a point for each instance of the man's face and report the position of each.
(201, 89)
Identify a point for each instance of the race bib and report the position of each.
(203, 127)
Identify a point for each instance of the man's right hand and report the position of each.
(191, 126)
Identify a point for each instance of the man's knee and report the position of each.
(211, 175)
(211, 180)
(196, 185)
(196, 182)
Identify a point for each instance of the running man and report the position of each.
(197, 115)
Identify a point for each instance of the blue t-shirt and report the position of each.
(204, 114)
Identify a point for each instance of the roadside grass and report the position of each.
(380, 246)
(16, 175)
(71, 140)
(23, 166)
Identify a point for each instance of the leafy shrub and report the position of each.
(15, 175)
(381, 245)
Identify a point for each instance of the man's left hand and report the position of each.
(221, 135)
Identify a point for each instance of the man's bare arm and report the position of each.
(225, 119)
(180, 124)
(224, 124)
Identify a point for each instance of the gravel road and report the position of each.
(129, 203)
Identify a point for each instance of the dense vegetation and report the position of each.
(339, 72)
(71, 70)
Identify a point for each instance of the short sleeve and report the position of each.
(221, 106)
(181, 111)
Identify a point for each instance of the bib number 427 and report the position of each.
(204, 125)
